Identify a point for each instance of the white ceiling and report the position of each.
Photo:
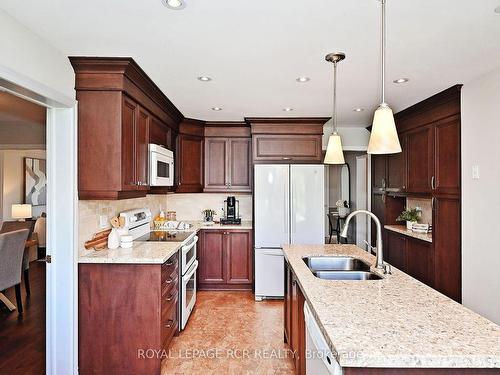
(254, 50)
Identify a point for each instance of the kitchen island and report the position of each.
(393, 325)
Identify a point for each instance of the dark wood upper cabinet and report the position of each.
(189, 156)
(226, 259)
(287, 140)
(117, 103)
(430, 138)
(141, 149)
(447, 156)
(396, 168)
(228, 164)
(216, 164)
(420, 159)
(379, 172)
(159, 133)
(240, 164)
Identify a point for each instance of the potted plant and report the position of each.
(208, 215)
(410, 216)
(343, 208)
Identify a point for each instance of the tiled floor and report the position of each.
(230, 333)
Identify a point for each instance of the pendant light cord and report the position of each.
(334, 98)
(383, 46)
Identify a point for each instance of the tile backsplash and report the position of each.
(187, 207)
(425, 205)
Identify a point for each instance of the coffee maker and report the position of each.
(231, 212)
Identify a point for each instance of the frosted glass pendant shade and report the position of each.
(384, 137)
(334, 153)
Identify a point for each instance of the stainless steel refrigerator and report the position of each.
(289, 209)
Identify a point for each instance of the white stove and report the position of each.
(138, 222)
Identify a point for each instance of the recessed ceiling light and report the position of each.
(174, 4)
(497, 10)
(204, 79)
(358, 109)
(401, 80)
(303, 79)
(288, 109)
(216, 108)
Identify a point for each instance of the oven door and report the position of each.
(188, 297)
(161, 169)
(188, 254)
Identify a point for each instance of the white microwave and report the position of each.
(161, 166)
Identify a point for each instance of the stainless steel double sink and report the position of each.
(339, 268)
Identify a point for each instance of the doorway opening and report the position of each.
(23, 207)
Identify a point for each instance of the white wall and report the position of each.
(353, 138)
(26, 53)
(12, 180)
(481, 197)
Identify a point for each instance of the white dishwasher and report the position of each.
(319, 358)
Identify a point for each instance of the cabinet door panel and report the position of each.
(159, 133)
(396, 168)
(447, 247)
(287, 148)
(129, 111)
(420, 261)
(396, 250)
(420, 160)
(379, 171)
(288, 304)
(211, 258)
(216, 155)
(378, 209)
(189, 162)
(240, 172)
(239, 257)
(447, 153)
(141, 149)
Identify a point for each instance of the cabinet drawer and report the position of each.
(169, 267)
(286, 148)
(169, 320)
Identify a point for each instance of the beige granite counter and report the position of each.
(408, 232)
(151, 252)
(394, 322)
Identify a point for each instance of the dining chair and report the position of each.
(11, 258)
(9, 226)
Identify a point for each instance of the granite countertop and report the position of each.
(408, 232)
(394, 322)
(151, 252)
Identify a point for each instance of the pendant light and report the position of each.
(384, 136)
(334, 153)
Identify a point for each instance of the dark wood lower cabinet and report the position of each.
(412, 256)
(295, 330)
(447, 246)
(125, 310)
(225, 259)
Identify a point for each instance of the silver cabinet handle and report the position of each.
(169, 323)
(433, 183)
(433, 203)
(286, 158)
(170, 297)
(383, 183)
